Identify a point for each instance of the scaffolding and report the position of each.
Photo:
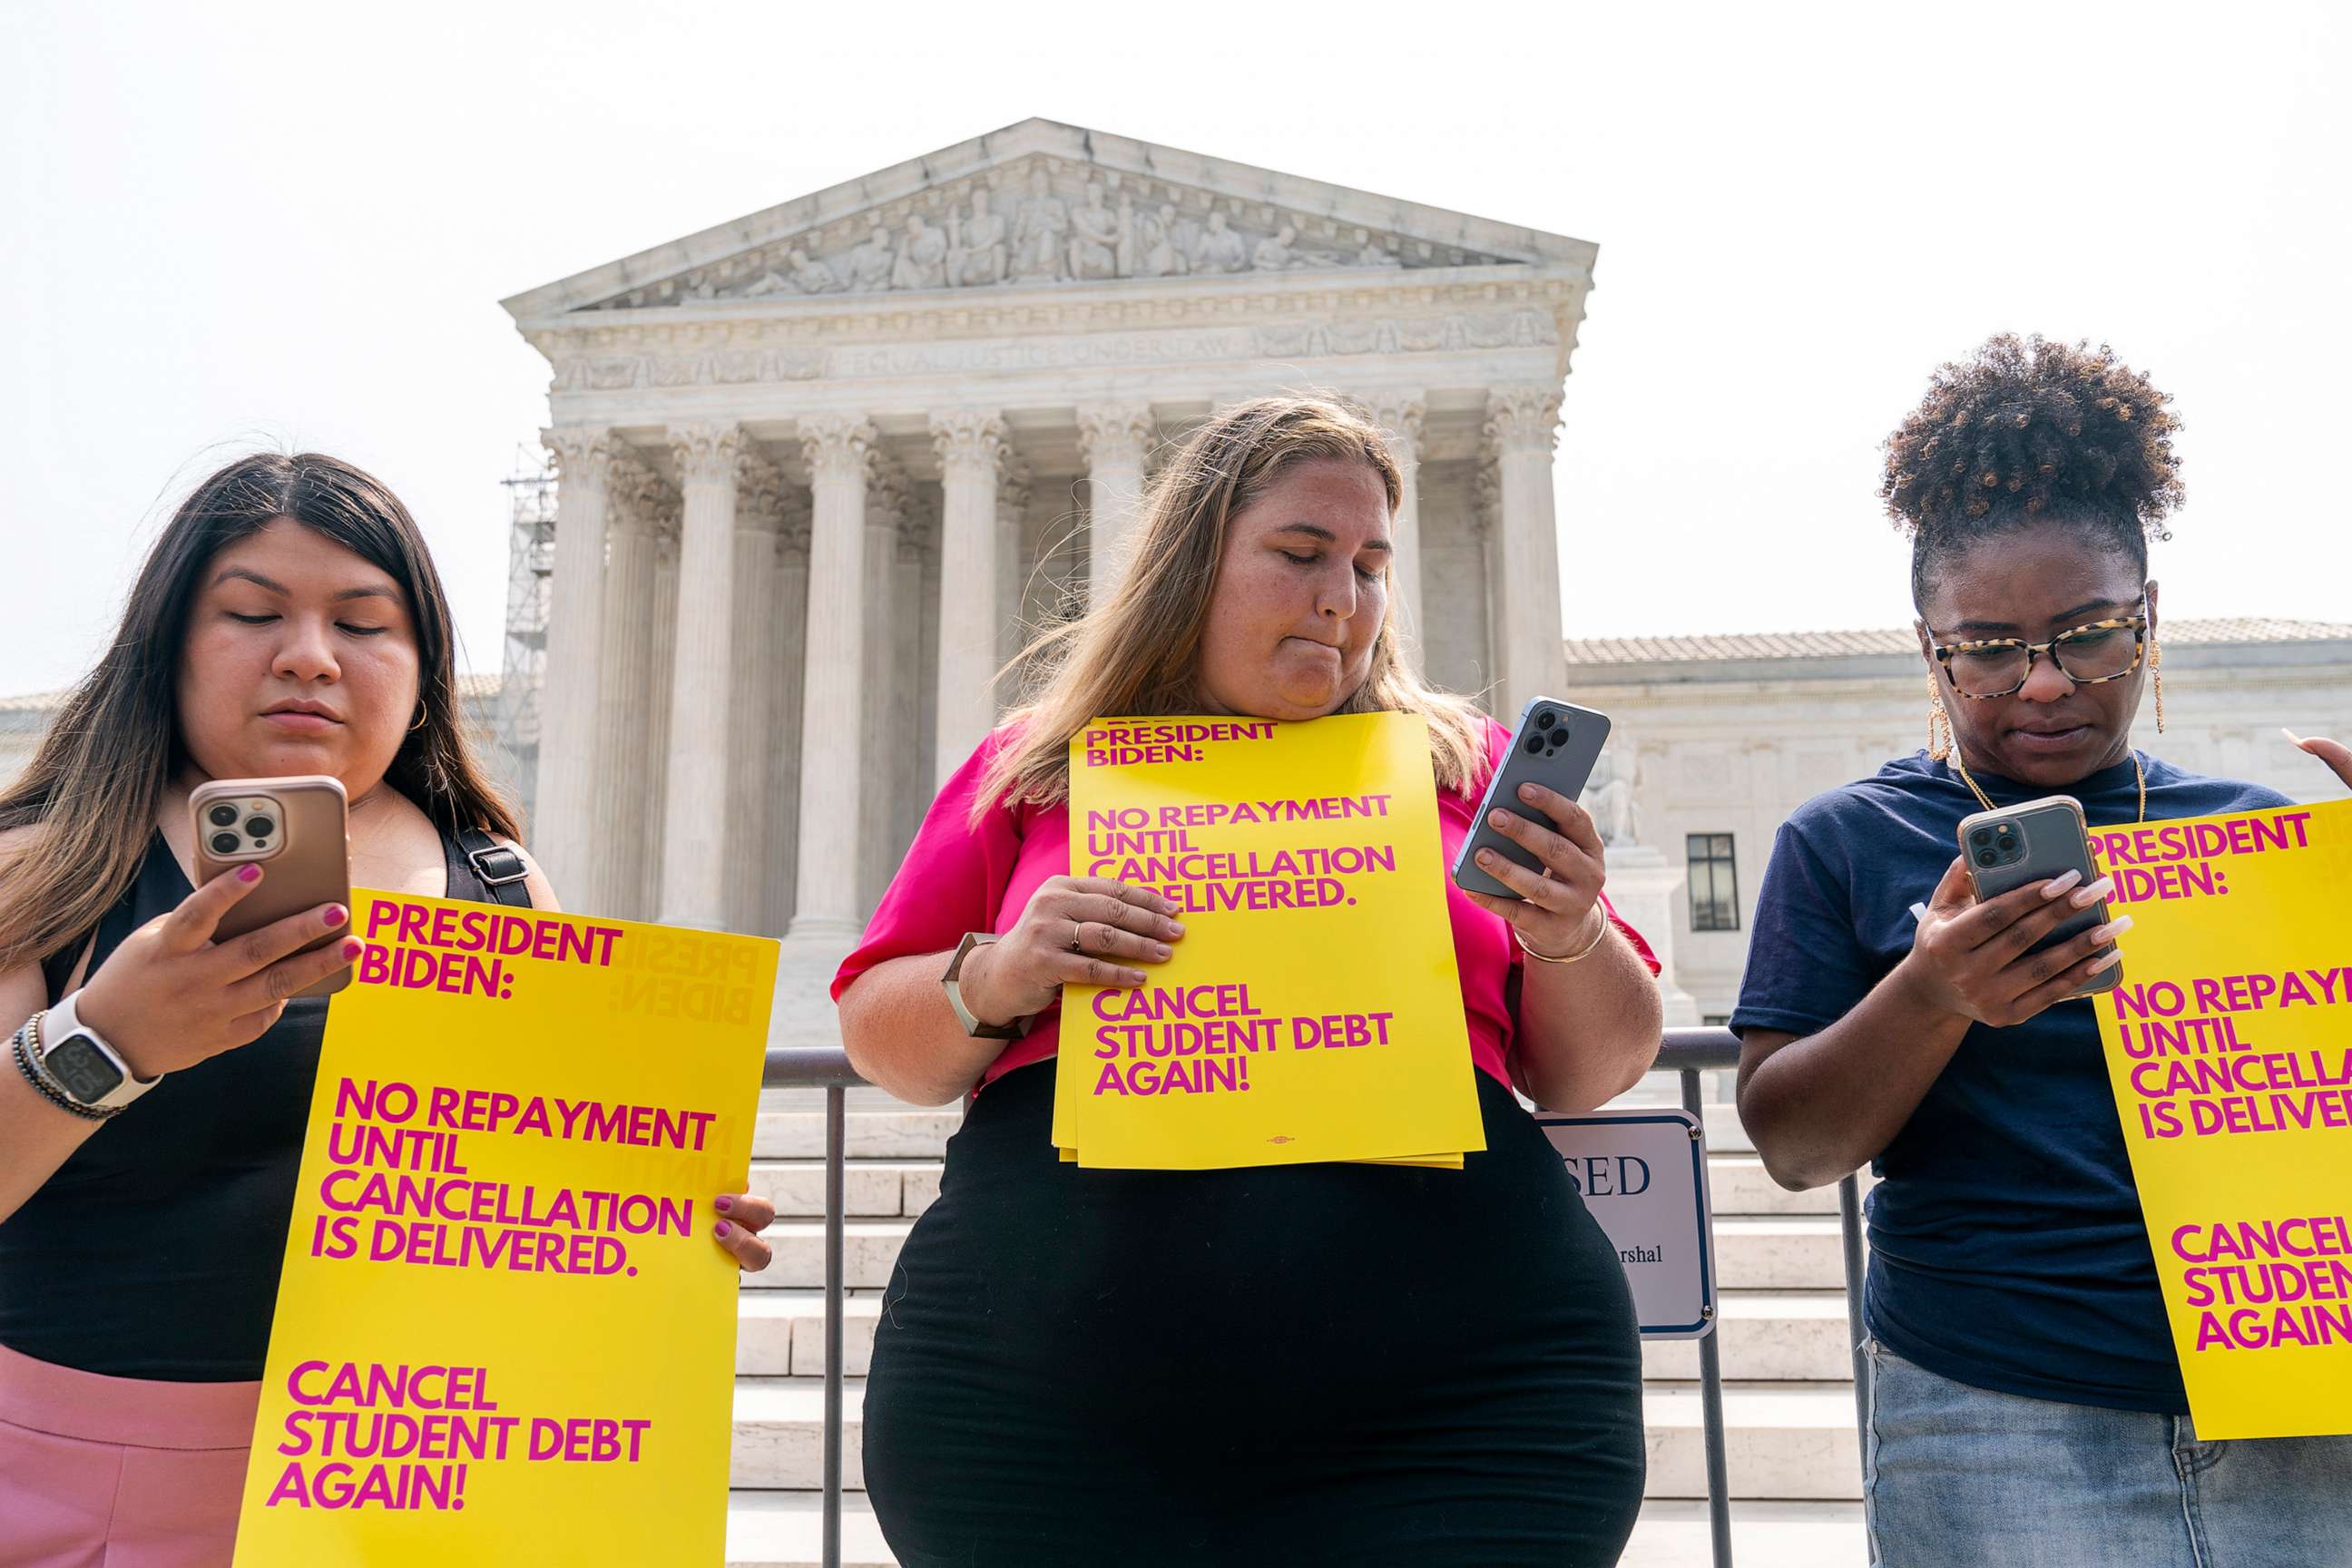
(530, 558)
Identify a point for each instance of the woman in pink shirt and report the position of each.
(1323, 1363)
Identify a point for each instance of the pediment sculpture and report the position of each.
(974, 237)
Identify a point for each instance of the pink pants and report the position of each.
(118, 1471)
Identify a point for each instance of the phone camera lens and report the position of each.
(260, 827)
(1988, 857)
(1545, 721)
(1534, 745)
(225, 843)
(223, 815)
(1980, 838)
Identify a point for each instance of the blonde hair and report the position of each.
(1136, 652)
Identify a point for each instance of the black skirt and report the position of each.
(1308, 1364)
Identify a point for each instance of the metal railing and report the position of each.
(1686, 1053)
(810, 1066)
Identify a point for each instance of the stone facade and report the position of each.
(826, 457)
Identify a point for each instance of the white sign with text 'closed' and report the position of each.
(1643, 1171)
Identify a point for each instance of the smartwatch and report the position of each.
(947, 983)
(77, 1061)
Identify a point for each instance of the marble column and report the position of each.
(695, 824)
(1399, 416)
(1521, 424)
(840, 453)
(666, 525)
(619, 767)
(1486, 524)
(1111, 438)
(910, 788)
(926, 733)
(789, 601)
(1047, 555)
(1013, 629)
(886, 713)
(971, 445)
(561, 838)
(755, 671)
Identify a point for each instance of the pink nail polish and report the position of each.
(720, 1229)
(249, 873)
(353, 947)
(725, 1204)
(336, 915)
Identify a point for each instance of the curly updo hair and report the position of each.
(2027, 433)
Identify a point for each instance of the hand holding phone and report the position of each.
(296, 830)
(1533, 844)
(1555, 746)
(2020, 921)
(175, 994)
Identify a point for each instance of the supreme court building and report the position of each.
(818, 468)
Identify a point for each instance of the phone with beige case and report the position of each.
(296, 829)
(2032, 842)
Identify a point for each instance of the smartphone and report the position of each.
(2032, 842)
(1556, 746)
(296, 829)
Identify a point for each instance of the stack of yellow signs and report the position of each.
(2230, 1049)
(1311, 1011)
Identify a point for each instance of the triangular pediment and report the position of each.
(1042, 203)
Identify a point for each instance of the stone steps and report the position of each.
(1790, 1441)
(867, 1135)
(784, 1530)
(1765, 1336)
(1769, 1252)
(875, 1189)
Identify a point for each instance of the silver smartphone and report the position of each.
(2032, 842)
(1556, 745)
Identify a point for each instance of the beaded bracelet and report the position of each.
(40, 1081)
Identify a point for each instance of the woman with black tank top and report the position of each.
(289, 621)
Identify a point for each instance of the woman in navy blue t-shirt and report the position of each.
(2028, 1408)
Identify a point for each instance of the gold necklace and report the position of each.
(1960, 766)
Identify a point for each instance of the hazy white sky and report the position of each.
(232, 224)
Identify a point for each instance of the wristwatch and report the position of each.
(76, 1060)
(947, 983)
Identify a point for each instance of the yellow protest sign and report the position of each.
(2230, 1047)
(504, 1333)
(1311, 1011)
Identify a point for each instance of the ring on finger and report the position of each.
(1077, 937)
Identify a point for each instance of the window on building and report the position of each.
(1714, 883)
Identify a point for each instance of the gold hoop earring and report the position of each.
(1939, 723)
(421, 716)
(2155, 667)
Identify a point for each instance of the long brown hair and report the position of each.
(1136, 652)
(94, 787)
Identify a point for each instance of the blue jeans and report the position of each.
(1955, 1476)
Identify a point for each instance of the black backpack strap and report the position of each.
(501, 870)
